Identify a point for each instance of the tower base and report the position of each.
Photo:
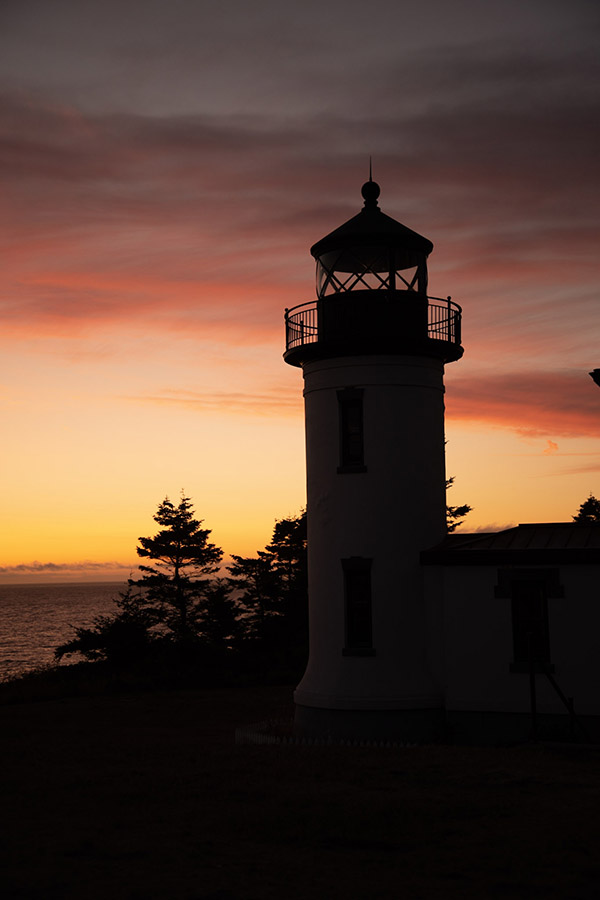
(413, 726)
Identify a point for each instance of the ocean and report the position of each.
(36, 618)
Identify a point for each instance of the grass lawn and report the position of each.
(147, 796)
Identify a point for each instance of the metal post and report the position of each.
(571, 717)
(532, 695)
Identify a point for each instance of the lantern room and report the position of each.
(371, 252)
(372, 294)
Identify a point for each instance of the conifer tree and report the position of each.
(272, 591)
(589, 512)
(176, 584)
(220, 616)
(120, 639)
(175, 601)
(253, 579)
(455, 514)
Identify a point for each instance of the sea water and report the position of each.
(36, 618)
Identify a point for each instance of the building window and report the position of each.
(528, 591)
(357, 599)
(530, 625)
(350, 406)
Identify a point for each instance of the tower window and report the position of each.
(357, 598)
(350, 406)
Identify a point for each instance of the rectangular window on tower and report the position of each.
(358, 612)
(350, 407)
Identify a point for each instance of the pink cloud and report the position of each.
(179, 223)
(551, 447)
(533, 404)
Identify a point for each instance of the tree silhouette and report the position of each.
(176, 585)
(289, 564)
(272, 594)
(589, 512)
(175, 602)
(121, 639)
(221, 626)
(455, 514)
(255, 582)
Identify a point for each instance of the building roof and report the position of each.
(553, 543)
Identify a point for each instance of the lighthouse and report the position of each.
(372, 349)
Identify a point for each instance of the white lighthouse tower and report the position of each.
(372, 349)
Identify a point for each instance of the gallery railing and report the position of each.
(302, 323)
(301, 326)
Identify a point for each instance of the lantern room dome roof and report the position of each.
(371, 227)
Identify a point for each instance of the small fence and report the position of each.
(278, 732)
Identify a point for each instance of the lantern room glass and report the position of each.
(371, 269)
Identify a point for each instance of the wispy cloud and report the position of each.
(535, 404)
(491, 526)
(591, 467)
(275, 403)
(127, 216)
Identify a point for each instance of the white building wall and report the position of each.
(575, 637)
(478, 643)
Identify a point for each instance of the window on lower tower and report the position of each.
(358, 612)
(350, 407)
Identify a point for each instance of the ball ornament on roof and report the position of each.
(370, 191)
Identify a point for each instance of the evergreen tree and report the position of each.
(272, 595)
(589, 512)
(220, 616)
(455, 514)
(120, 639)
(290, 567)
(255, 583)
(174, 602)
(176, 585)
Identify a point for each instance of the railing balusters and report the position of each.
(443, 322)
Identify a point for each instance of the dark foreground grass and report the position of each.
(147, 796)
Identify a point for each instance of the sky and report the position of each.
(165, 168)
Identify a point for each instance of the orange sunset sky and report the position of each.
(165, 168)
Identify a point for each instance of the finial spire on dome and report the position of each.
(370, 189)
